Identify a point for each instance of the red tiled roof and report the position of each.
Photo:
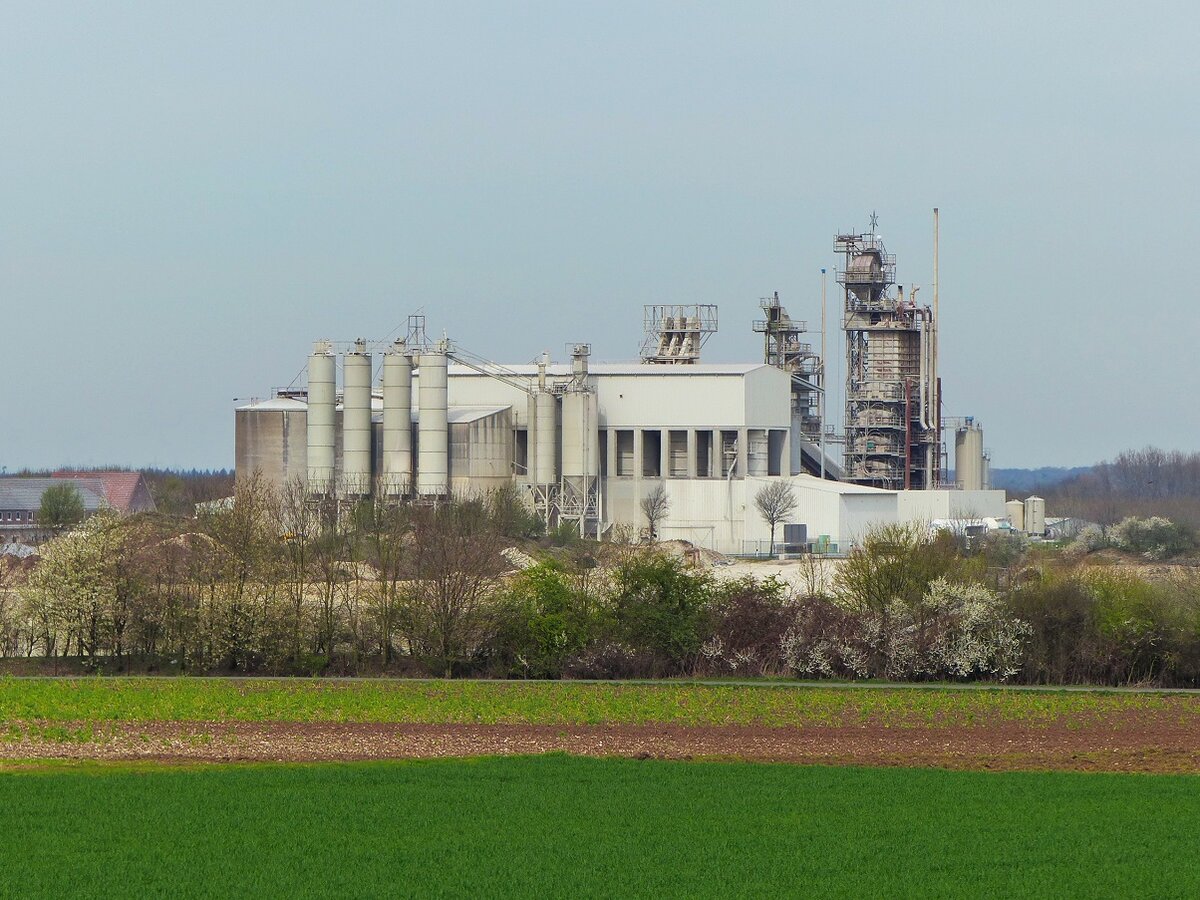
(120, 488)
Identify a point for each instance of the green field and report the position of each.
(554, 703)
(561, 826)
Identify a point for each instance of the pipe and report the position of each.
(824, 380)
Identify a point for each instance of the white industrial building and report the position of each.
(584, 442)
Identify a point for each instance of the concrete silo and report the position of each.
(433, 427)
(968, 456)
(397, 420)
(1035, 516)
(356, 421)
(320, 423)
(1015, 510)
(578, 499)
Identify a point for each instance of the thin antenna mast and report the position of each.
(824, 379)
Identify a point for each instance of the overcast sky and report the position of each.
(192, 193)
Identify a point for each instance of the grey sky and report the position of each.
(192, 193)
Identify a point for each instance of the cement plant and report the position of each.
(419, 419)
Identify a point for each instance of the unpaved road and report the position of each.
(1140, 743)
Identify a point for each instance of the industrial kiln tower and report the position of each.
(893, 395)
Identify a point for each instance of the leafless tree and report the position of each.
(775, 502)
(655, 507)
(456, 562)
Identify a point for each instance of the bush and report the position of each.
(746, 622)
(955, 631)
(896, 563)
(658, 606)
(1154, 538)
(545, 622)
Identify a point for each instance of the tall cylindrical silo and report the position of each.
(397, 420)
(356, 421)
(580, 435)
(545, 459)
(320, 419)
(968, 457)
(433, 428)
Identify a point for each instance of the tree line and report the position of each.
(278, 584)
(1147, 482)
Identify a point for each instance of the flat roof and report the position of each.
(559, 370)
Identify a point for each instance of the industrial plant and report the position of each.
(585, 442)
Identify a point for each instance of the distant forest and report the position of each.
(1023, 482)
(1149, 482)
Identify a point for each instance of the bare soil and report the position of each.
(1146, 743)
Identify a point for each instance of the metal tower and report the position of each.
(783, 348)
(892, 391)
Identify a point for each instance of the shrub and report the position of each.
(746, 622)
(658, 605)
(545, 621)
(896, 563)
(954, 631)
(1154, 538)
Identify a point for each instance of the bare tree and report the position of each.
(655, 507)
(775, 502)
(455, 560)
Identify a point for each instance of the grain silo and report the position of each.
(356, 421)
(433, 426)
(321, 389)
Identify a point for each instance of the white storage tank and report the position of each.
(968, 456)
(1035, 516)
(320, 419)
(397, 420)
(545, 443)
(580, 435)
(1015, 510)
(433, 427)
(356, 421)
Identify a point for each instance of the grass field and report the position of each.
(553, 703)
(562, 826)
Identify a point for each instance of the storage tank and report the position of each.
(1015, 510)
(580, 435)
(397, 420)
(320, 428)
(968, 457)
(356, 421)
(1035, 516)
(757, 458)
(545, 454)
(433, 428)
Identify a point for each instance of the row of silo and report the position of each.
(395, 469)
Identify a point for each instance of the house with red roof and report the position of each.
(126, 492)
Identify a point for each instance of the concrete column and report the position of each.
(664, 453)
(637, 453)
(743, 450)
(612, 452)
(691, 453)
(785, 456)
